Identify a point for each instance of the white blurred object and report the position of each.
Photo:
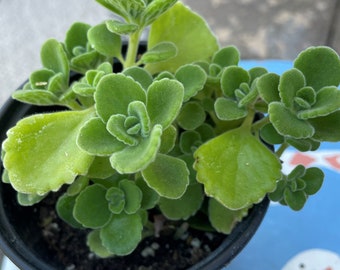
(314, 259)
(8, 265)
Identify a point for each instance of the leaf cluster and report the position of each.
(175, 131)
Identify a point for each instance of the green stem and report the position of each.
(248, 121)
(261, 123)
(131, 54)
(281, 149)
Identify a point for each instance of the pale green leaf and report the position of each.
(95, 244)
(227, 56)
(121, 28)
(192, 115)
(160, 52)
(42, 154)
(135, 158)
(168, 176)
(164, 100)
(189, 32)
(231, 79)
(291, 82)
(227, 109)
(231, 174)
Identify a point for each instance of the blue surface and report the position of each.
(284, 232)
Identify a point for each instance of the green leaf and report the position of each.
(104, 41)
(64, 208)
(95, 244)
(189, 141)
(29, 199)
(193, 78)
(116, 199)
(150, 197)
(122, 234)
(224, 219)
(115, 125)
(269, 135)
(295, 200)
(227, 56)
(96, 140)
(164, 100)
(231, 79)
(304, 145)
(327, 101)
(324, 127)
(100, 168)
(87, 61)
(76, 36)
(168, 140)
(133, 196)
(230, 173)
(256, 73)
(140, 75)
(192, 115)
(91, 207)
(168, 176)
(192, 199)
(267, 86)
(114, 93)
(286, 122)
(291, 82)
(320, 65)
(155, 8)
(160, 52)
(227, 109)
(313, 179)
(39, 79)
(135, 158)
(121, 28)
(77, 186)
(45, 146)
(36, 97)
(53, 57)
(189, 32)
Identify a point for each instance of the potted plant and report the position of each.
(132, 141)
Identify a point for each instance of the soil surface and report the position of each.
(163, 252)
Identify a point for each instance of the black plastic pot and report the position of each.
(24, 245)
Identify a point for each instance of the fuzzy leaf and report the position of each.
(231, 79)
(121, 28)
(45, 146)
(192, 199)
(193, 78)
(77, 186)
(246, 179)
(91, 207)
(104, 41)
(135, 158)
(133, 196)
(164, 100)
(29, 199)
(64, 208)
(189, 32)
(150, 197)
(36, 97)
(122, 234)
(168, 176)
(303, 145)
(222, 218)
(270, 135)
(114, 93)
(168, 140)
(76, 36)
(116, 199)
(227, 109)
(95, 244)
(53, 57)
(327, 101)
(160, 52)
(96, 140)
(189, 141)
(155, 8)
(324, 127)
(267, 87)
(227, 56)
(140, 75)
(291, 82)
(320, 65)
(313, 179)
(295, 200)
(87, 61)
(286, 122)
(115, 125)
(192, 115)
(39, 79)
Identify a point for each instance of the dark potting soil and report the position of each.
(164, 252)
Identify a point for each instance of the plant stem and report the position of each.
(281, 149)
(131, 54)
(249, 119)
(259, 124)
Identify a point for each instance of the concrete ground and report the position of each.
(261, 29)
